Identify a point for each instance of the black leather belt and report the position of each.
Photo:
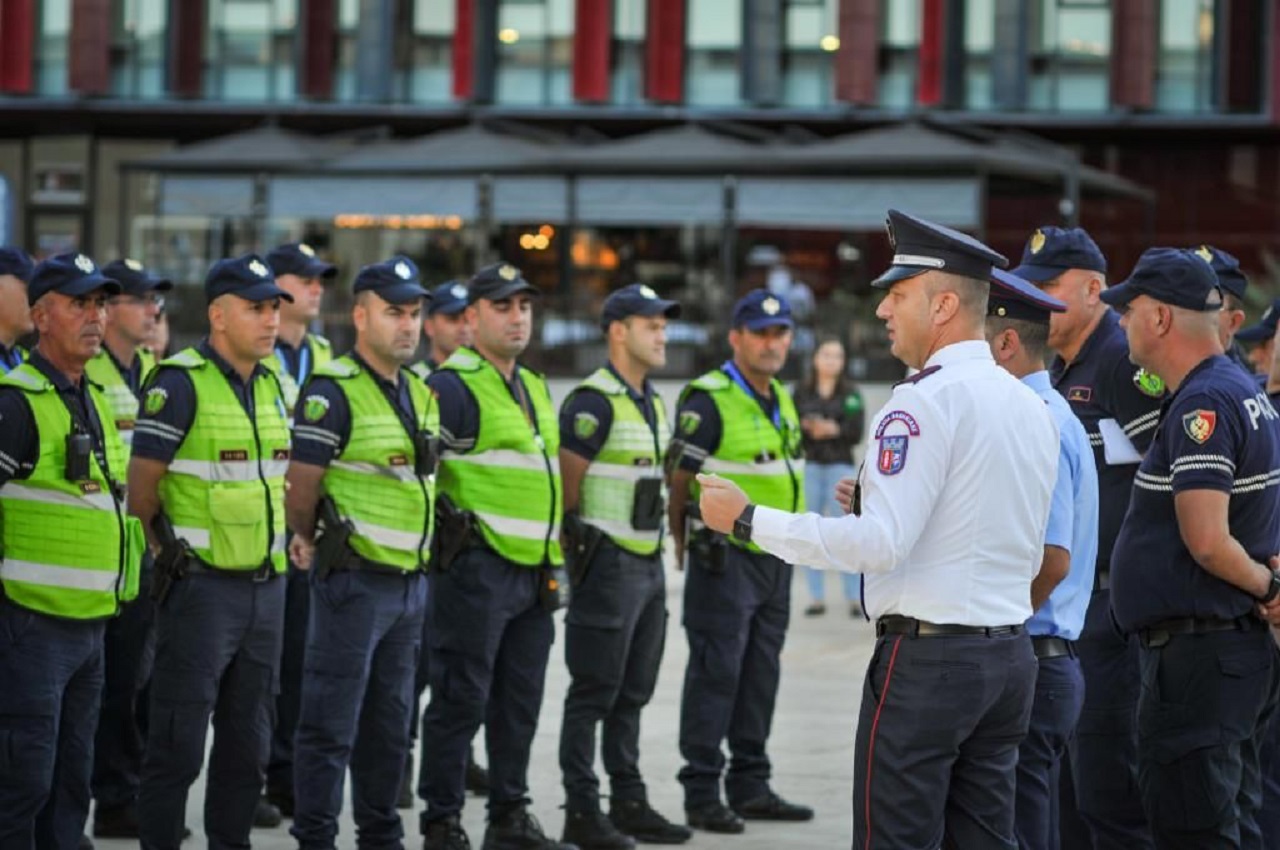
(1158, 634)
(196, 567)
(910, 626)
(1052, 647)
(357, 564)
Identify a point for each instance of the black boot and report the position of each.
(516, 829)
(589, 829)
(266, 815)
(638, 819)
(445, 834)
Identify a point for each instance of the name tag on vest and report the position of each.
(398, 460)
(232, 455)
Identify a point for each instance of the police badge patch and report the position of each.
(585, 425)
(1148, 383)
(314, 407)
(1199, 425)
(155, 400)
(689, 421)
(892, 456)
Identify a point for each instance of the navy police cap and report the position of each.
(1265, 329)
(16, 262)
(299, 258)
(636, 300)
(72, 274)
(395, 281)
(1230, 279)
(921, 246)
(449, 298)
(1014, 298)
(1050, 251)
(248, 277)
(760, 309)
(1175, 276)
(497, 283)
(134, 279)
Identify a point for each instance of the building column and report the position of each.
(941, 73)
(316, 45)
(184, 63)
(462, 27)
(760, 59)
(375, 50)
(664, 51)
(858, 59)
(1010, 55)
(18, 35)
(1133, 54)
(592, 47)
(89, 47)
(1241, 55)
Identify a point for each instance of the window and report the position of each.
(138, 38)
(979, 38)
(250, 51)
(535, 49)
(53, 47)
(810, 42)
(1184, 55)
(1071, 56)
(429, 76)
(899, 53)
(628, 51)
(712, 75)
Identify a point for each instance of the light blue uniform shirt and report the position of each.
(1073, 519)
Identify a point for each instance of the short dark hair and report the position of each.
(1034, 336)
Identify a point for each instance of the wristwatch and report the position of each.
(742, 525)
(1273, 590)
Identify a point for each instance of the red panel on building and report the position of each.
(857, 61)
(930, 86)
(186, 47)
(319, 48)
(89, 47)
(592, 40)
(463, 49)
(1133, 54)
(18, 35)
(664, 51)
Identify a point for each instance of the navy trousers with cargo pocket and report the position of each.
(217, 654)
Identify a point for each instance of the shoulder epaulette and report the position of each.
(918, 376)
(188, 358)
(711, 382)
(343, 367)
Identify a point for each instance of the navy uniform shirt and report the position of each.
(459, 412)
(163, 424)
(699, 427)
(590, 404)
(319, 440)
(19, 444)
(1101, 384)
(1218, 432)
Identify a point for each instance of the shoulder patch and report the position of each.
(1083, 395)
(689, 421)
(891, 457)
(913, 427)
(1149, 383)
(585, 425)
(918, 376)
(1199, 425)
(314, 407)
(155, 400)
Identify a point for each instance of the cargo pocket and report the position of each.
(135, 544)
(1187, 775)
(238, 537)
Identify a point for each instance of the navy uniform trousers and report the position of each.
(50, 694)
(490, 639)
(1103, 756)
(363, 638)
(736, 621)
(1055, 711)
(937, 743)
(128, 656)
(615, 631)
(289, 701)
(217, 653)
(1207, 701)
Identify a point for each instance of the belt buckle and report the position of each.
(1155, 638)
(263, 573)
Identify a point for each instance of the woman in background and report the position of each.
(832, 418)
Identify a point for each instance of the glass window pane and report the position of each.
(138, 48)
(808, 63)
(979, 34)
(431, 69)
(535, 49)
(51, 64)
(899, 53)
(1185, 55)
(1071, 56)
(714, 30)
(628, 51)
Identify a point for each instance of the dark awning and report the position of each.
(260, 150)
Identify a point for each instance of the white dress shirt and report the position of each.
(955, 498)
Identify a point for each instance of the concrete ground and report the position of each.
(812, 743)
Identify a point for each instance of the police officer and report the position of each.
(1261, 337)
(15, 314)
(613, 429)
(1119, 406)
(207, 481)
(1232, 283)
(1194, 558)
(298, 352)
(1269, 754)
(1018, 332)
(948, 533)
(364, 439)
(70, 557)
(119, 370)
(739, 421)
(489, 601)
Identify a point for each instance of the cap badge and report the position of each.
(133, 265)
(458, 291)
(888, 228)
(507, 272)
(306, 249)
(84, 264)
(1037, 241)
(402, 270)
(1204, 253)
(257, 268)
(646, 292)
(770, 306)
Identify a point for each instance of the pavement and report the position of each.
(823, 664)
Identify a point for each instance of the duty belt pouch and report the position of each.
(426, 454)
(647, 509)
(710, 549)
(79, 448)
(553, 589)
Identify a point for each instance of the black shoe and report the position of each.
(85, 843)
(715, 817)
(445, 834)
(589, 829)
(477, 781)
(118, 822)
(281, 799)
(638, 819)
(516, 829)
(405, 800)
(817, 609)
(266, 815)
(770, 806)
(855, 611)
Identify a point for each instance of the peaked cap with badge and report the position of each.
(636, 300)
(247, 277)
(498, 282)
(1175, 276)
(1014, 298)
(1265, 329)
(1230, 279)
(1051, 251)
(449, 298)
(760, 309)
(395, 281)
(921, 246)
(71, 274)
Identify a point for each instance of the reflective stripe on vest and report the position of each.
(122, 400)
(511, 479)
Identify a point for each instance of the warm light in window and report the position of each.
(508, 35)
(547, 231)
(526, 241)
(830, 43)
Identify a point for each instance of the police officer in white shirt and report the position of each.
(948, 527)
